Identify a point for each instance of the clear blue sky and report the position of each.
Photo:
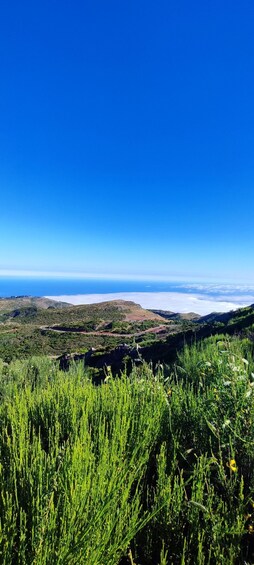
(127, 137)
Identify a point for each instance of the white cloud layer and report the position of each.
(173, 301)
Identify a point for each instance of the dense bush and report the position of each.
(142, 469)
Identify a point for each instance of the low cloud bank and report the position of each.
(173, 301)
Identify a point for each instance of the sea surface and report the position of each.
(198, 297)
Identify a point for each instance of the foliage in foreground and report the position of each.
(142, 469)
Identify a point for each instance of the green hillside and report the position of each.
(38, 326)
(35, 327)
(15, 302)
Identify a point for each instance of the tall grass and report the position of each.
(72, 461)
(141, 469)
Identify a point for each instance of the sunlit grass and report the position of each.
(142, 469)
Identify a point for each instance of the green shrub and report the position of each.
(148, 469)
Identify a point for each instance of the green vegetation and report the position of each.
(69, 314)
(154, 469)
(28, 326)
(16, 302)
(38, 326)
(133, 327)
(32, 341)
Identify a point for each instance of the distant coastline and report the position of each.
(201, 298)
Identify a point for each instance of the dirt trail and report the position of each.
(156, 329)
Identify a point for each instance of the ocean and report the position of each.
(199, 297)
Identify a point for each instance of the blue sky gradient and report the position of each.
(127, 138)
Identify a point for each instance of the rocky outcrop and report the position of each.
(116, 358)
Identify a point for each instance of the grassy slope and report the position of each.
(140, 469)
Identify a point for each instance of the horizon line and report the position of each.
(24, 273)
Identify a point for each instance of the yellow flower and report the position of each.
(216, 396)
(169, 392)
(250, 529)
(232, 465)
